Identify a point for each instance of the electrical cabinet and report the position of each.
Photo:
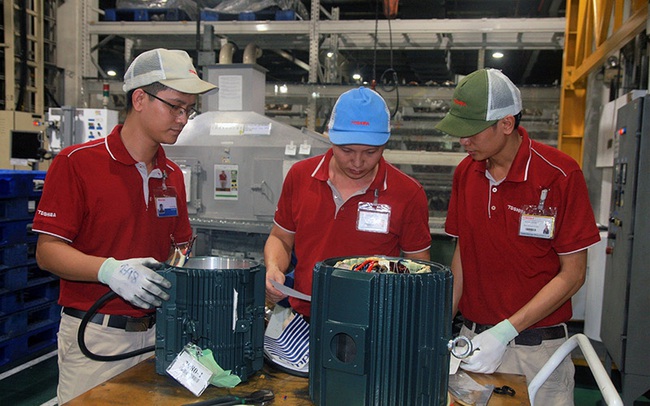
(625, 317)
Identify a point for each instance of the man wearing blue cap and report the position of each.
(347, 202)
(521, 213)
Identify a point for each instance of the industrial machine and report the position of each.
(216, 303)
(234, 161)
(371, 343)
(22, 143)
(625, 319)
(69, 125)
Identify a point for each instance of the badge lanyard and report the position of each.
(165, 198)
(373, 217)
(538, 221)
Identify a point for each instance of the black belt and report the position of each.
(121, 322)
(531, 336)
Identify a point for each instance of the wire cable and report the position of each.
(390, 74)
(82, 330)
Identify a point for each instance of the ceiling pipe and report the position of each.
(251, 53)
(226, 53)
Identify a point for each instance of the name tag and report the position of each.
(166, 206)
(190, 373)
(373, 217)
(538, 226)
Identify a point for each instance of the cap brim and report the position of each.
(189, 86)
(358, 138)
(462, 127)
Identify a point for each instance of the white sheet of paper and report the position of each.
(290, 292)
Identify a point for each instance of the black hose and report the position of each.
(82, 329)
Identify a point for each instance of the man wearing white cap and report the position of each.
(323, 197)
(521, 213)
(105, 218)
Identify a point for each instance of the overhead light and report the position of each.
(330, 54)
(356, 76)
(284, 89)
(497, 55)
(111, 72)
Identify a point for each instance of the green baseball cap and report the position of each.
(481, 99)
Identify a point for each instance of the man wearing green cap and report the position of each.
(105, 218)
(521, 213)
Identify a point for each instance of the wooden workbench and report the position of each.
(142, 386)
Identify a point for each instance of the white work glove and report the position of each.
(135, 281)
(489, 347)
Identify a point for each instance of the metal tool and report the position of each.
(504, 390)
(259, 397)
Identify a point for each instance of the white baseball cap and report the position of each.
(172, 68)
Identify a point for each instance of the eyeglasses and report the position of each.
(177, 111)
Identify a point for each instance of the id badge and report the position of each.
(373, 217)
(536, 223)
(166, 202)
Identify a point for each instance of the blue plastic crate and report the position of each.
(13, 278)
(145, 14)
(13, 325)
(21, 183)
(26, 275)
(15, 255)
(247, 16)
(43, 315)
(37, 276)
(285, 15)
(15, 232)
(29, 344)
(29, 297)
(209, 15)
(17, 208)
(22, 322)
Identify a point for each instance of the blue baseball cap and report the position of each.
(360, 116)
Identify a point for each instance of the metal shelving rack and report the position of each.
(27, 58)
(309, 103)
(23, 56)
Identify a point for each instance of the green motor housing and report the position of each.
(379, 338)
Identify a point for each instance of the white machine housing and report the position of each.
(235, 160)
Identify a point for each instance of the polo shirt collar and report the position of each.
(322, 172)
(119, 153)
(520, 166)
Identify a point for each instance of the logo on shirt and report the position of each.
(45, 213)
(517, 209)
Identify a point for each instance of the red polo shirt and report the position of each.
(502, 271)
(307, 209)
(94, 198)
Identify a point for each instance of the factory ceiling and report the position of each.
(426, 43)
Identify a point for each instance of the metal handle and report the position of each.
(453, 346)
